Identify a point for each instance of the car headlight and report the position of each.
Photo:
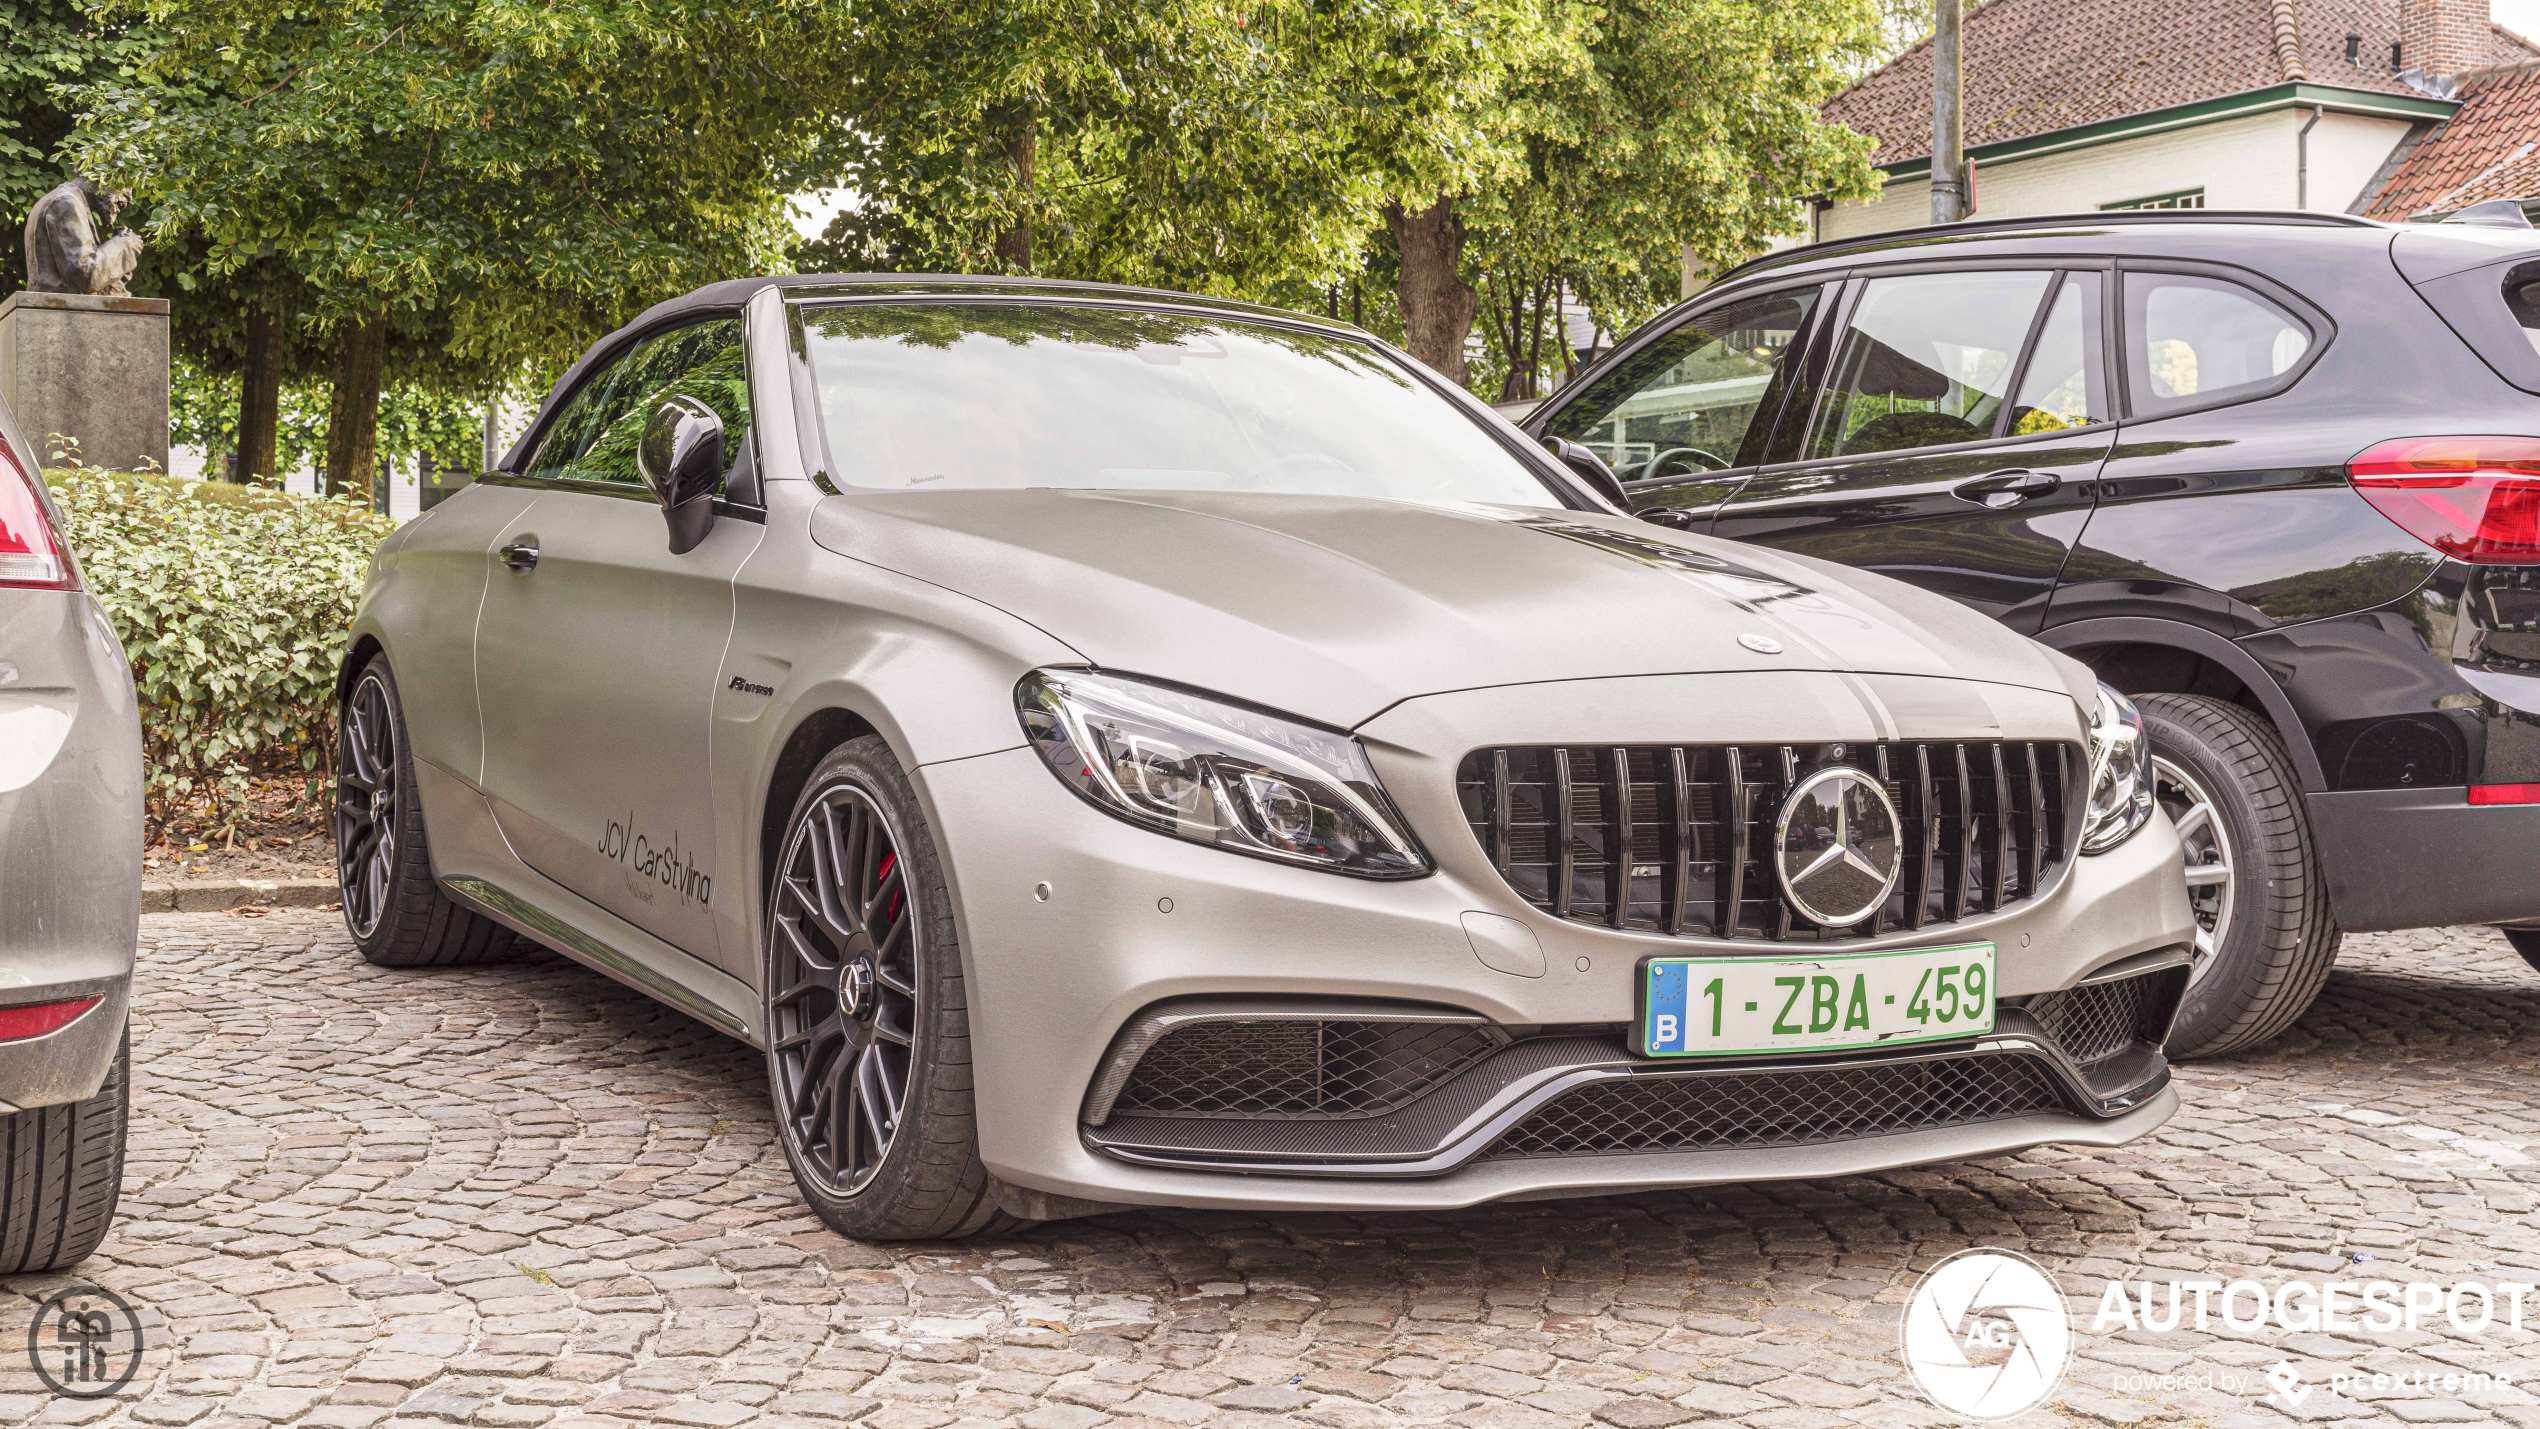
(1217, 773)
(2120, 774)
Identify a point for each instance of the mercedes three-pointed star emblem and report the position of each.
(1835, 847)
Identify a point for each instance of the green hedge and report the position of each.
(233, 604)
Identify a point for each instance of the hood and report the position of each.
(1335, 608)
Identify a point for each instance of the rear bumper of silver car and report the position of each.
(70, 840)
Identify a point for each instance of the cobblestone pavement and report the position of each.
(521, 1195)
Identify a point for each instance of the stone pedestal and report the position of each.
(91, 368)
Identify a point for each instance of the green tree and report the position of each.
(1180, 142)
(1690, 135)
(504, 179)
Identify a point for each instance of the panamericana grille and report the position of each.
(1300, 1069)
(1679, 837)
(1767, 1108)
(2098, 1020)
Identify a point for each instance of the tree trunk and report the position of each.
(352, 425)
(1014, 245)
(260, 398)
(1437, 304)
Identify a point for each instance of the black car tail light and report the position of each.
(2475, 499)
(30, 555)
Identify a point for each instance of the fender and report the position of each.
(2140, 630)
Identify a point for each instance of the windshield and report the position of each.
(961, 396)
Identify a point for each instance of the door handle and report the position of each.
(2005, 489)
(520, 555)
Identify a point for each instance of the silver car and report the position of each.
(1117, 748)
(70, 885)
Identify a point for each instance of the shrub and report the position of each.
(232, 603)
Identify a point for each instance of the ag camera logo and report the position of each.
(1987, 1334)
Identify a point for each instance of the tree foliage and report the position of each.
(1687, 132)
(529, 174)
(1180, 143)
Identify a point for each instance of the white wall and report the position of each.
(2250, 162)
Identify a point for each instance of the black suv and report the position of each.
(2276, 476)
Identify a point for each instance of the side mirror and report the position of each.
(682, 460)
(1590, 468)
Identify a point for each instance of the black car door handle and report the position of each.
(520, 555)
(2008, 488)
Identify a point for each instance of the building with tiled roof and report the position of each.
(2245, 104)
(2488, 150)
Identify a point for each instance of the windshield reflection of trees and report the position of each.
(941, 325)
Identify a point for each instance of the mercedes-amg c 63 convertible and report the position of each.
(1118, 748)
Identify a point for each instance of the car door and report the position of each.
(1682, 416)
(1961, 421)
(598, 649)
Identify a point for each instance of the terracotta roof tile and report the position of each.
(2039, 65)
(2490, 149)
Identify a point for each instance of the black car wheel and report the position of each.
(2265, 938)
(397, 913)
(61, 1169)
(2526, 941)
(868, 1038)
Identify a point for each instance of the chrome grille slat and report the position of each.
(1677, 839)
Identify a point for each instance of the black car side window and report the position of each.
(1926, 361)
(2062, 385)
(2192, 341)
(596, 435)
(1701, 398)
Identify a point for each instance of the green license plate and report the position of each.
(1720, 1007)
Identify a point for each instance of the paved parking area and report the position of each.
(520, 1196)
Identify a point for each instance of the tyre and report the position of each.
(2265, 937)
(867, 1025)
(2526, 941)
(396, 912)
(61, 1168)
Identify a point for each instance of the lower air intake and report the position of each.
(1300, 1069)
(2099, 1020)
(1798, 1108)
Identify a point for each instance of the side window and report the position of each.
(2191, 340)
(2061, 385)
(596, 436)
(1699, 399)
(1926, 361)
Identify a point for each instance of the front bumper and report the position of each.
(70, 840)
(1075, 923)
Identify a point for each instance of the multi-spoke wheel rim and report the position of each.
(2211, 885)
(366, 797)
(842, 989)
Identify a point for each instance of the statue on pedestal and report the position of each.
(62, 251)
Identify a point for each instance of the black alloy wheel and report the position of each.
(396, 911)
(844, 992)
(367, 796)
(867, 1017)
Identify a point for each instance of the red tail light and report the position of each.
(29, 555)
(2504, 793)
(2472, 498)
(34, 1020)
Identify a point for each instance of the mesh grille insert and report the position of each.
(1679, 838)
(1766, 1108)
(2098, 1021)
(1300, 1069)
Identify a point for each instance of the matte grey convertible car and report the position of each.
(1111, 747)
